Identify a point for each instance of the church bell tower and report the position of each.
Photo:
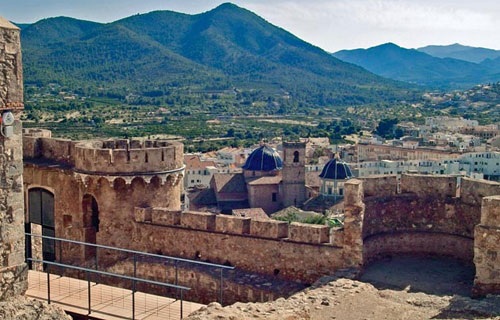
(294, 173)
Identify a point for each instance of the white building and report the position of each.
(449, 123)
(479, 165)
(485, 163)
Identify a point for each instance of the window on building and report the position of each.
(275, 197)
(296, 156)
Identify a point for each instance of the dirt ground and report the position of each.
(400, 288)
(438, 276)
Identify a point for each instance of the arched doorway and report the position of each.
(91, 223)
(41, 221)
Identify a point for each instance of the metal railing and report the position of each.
(133, 278)
(110, 274)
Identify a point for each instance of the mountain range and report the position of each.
(432, 66)
(461, 52)
(227, 47)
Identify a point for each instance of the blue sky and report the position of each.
(329, 24)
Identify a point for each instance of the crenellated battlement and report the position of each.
(425, 214)
(226, 224)
(106, 157)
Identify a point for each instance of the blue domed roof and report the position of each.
(263, 158)
(336, 170)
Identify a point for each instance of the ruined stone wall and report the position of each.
(13, 274)
(427, 210)
(293, 252)
(487, 248)
(435, 215)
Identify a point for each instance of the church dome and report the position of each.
(263, 158)
(336, 170)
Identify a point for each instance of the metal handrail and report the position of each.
(133, 251)
(111, 274)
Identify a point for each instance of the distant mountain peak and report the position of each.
(416, 66)
(226, 46)
(462, 52)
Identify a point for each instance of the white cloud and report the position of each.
(337, 24)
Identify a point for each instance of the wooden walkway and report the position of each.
(107, 302)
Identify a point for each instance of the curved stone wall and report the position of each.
(417, 243)
(123, 156)
(430, 215)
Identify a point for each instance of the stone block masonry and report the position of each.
(13, 275)
(487, 248)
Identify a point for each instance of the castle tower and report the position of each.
(294, 173)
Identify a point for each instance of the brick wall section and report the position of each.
(487, 248)
(12, 267)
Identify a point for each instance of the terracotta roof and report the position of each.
(194, 162)
(265, 180)
(229, 183)
(203, 197)
(254, 213)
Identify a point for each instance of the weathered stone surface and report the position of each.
(198, 220)
(269, 228)
(490, 211)
(143, 214)
(164, 216)
(11, 68)
(345, 299)
(472, 191)
(442, 185)
(232, 224)
(417, 243)
(354, 193)
(337, 237)
(21, 308)
(380, 186)
(303, 232)
(238, 285)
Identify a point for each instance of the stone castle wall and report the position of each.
(383, 216)
(114, 157)
(295, 252)
(487, 248)
(13, 275)
(430, 215)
